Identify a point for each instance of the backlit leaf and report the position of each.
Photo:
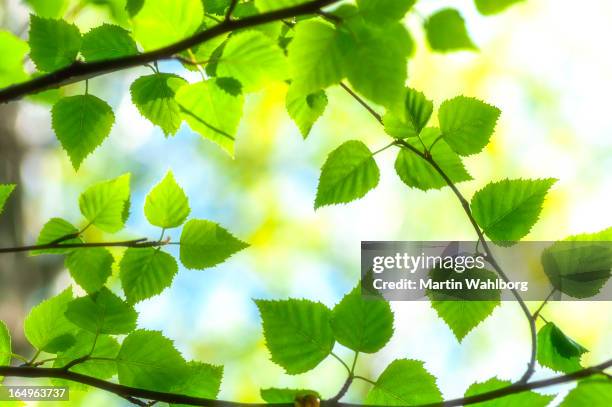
(146, 272)
(102, 312)
(90, 267)
(104, 204)
(526, 398)
(107, 42)
(5, 192)
(305, 109)
(446, 32)
(13, 50)
(489, 7)
(167, 205)
(54, 44)
(54, 229)
(417, 111)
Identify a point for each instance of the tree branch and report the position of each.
(127, 392)
(79, 71)
(136, 243)
(425, 155)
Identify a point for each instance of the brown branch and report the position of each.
(127, 392)
(79, 71)
(136, 243)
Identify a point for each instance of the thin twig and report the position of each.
(136, 393)
(79, 71)
(135, 243)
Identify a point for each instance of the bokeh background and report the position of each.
(545, 63)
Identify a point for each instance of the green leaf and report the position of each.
(467, 124)
(102, 313)
(578, 268)
(446, 32)
(362, 324)
(557, 351)
(298, 333)
(212, 111)
(404, 382)
(595, 392)
(268, 5)
(5, 347)
(105, 347)
(107, 42)
(253, 59)
(54, 229)
(217, 7)
(104, 204)
(148, 360)
(506, 210)
(54, 44)
(5, 191)
(205, 244)
(416, 172)
(277, 396)
(463, 310)
(90, 267)
(13, 50)
(158, 23)
(167, 205)
(48, 8)
(383, 10)
(203, 380)
(376, 64)
(81, 124)
(146, 272)
(489, 7)
(417, 111)
(348, 174)
(46, 326)
(526, 398)
(154, 95)
(305, 110)
(315, 57)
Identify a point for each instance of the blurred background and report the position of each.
(543, 62)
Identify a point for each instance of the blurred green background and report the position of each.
(543, 62)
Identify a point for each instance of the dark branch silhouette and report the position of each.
(79, 71)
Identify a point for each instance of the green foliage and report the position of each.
(48, 8)
(417, 112)
(595, 392)
(107, 42)
(506, 210)
(315, 57)
(212, 111)
(268, 5)
(90, 268)
(526, 398)
(384, 10)
(105, 204)
(404, 382)
(81, 124)
(348, 174)
(298, 333)
(467, 124)
(167, 205)
(54, 44)
(446, 32)
(415, 172)
(362, 324)
(161, 22)
(148, 360)
(102, 313)
(5, 192)
(205, 244)
(13, 51)
(96, 346)
(154, 96)
(54, 229)
(5, 346)
(305, 110)
(46, 326)
(578, 269)
(557, 351)
(274, 395)
(464, 309)
(203, 380)
(253, 59)
(375, 60)
(489, 7)
(146, 272)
